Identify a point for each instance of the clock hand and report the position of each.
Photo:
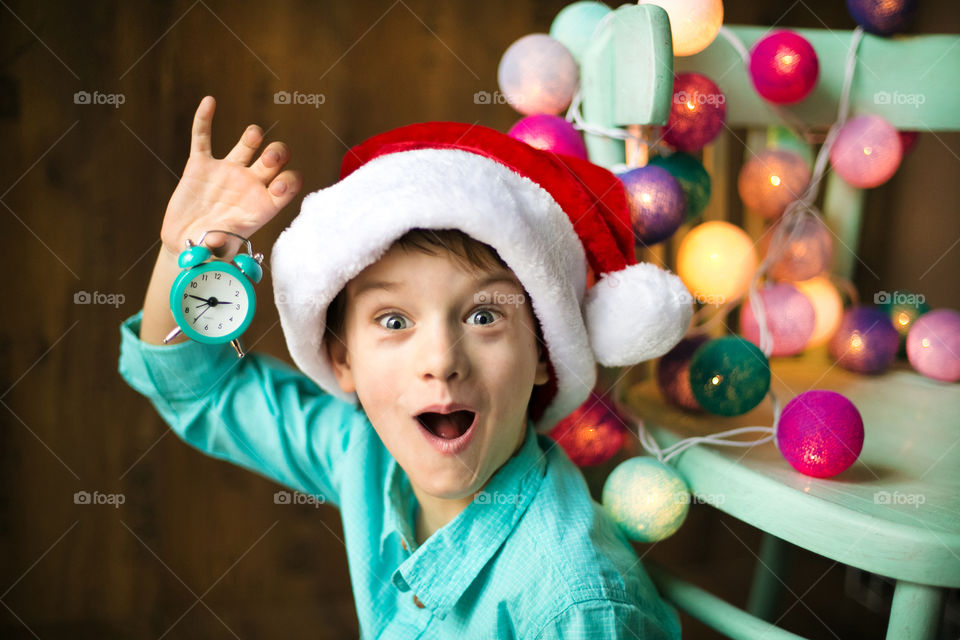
(201, 313)
(198, 298)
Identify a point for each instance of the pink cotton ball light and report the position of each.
(771, 180)
(866, 152)
(784, 67)
(820, 433)
(801, 247)
(697, 114)
(549, 133)
(933, 345)
(537, 74)
(790, 319)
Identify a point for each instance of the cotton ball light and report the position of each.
(882, 17)
(866, 152)
(800, 247)
(646, 498)
(865, 341)
(549, 133)
(784, 67)
(903, 308)
(694, 24)
(574, 25)
(790, 319)
(673, 373)
(729, 376)
(820, 433)
(827, 308)
(697, 113)
(656, 201)
(771, 180)
(907, 141)
(933, 345)
(716, 261)
(537, 74)
(592, 433)
(692, 177)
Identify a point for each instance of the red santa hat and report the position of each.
(548, 216)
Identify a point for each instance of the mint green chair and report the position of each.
(869, 516)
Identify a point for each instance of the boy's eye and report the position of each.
(393, 321)
(484, 317)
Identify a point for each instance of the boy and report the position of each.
(435, 297)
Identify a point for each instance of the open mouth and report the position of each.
(448, 426)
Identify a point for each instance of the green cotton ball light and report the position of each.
(574, 25)
(646, 498)
(729, 376)
(692, 178)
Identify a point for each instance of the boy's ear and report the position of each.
(340, 361)
(542, 375)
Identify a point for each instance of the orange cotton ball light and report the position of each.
(771, 180)
(716, 261)
(694, 24)
(827, 308)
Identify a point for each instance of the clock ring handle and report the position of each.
(246, 241)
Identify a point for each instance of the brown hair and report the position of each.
(474, 253)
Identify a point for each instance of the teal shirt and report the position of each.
(533, 557)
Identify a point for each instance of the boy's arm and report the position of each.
(256, 412)
(610, 620)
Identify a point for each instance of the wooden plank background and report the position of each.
(199, 549)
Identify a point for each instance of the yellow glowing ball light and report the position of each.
(646, 498)
(827, 308)
(716, 261)
(694, 24)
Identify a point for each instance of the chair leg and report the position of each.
(767, 588)
(915, 612)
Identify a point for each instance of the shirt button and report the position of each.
(403, 543)
(417, 602)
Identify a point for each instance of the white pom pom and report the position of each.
(636, 314)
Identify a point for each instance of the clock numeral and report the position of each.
(204, 276)
(185, 296)
(238, 306)
(186, 310)
(220, 326)
(206, 327)
(230, 282)
(217, 275)
(194, 284)
(236, 293)
(231, 318)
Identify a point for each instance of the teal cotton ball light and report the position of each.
(729, 376)
(646, 498)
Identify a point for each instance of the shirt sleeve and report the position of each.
(608, 620)
(255, 411)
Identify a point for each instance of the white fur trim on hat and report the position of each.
(348, 226)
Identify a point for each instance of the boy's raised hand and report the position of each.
(229, 194)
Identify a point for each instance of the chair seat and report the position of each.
(894, 512)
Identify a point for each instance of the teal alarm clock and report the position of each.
(213, 300)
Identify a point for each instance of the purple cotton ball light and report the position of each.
(866, 152)
(866, 341)
(790, 319)
(784, 67)
(697, 114)
(820, 433)
(657, 203)
(549, 133)
(673, 373)
(882, 17)
(537, 74)
(933, 345)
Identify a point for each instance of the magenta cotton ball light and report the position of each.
(549, 133)
(697, 114)
(933, 345)
(771, 180)
(790, 319)
(820, 433)
(866, 151)
(537, 74)
(784, 67)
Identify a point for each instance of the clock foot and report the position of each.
(173, 334)
(237, 347)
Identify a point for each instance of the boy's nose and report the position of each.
(440, 356)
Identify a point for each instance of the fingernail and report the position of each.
(279, 187)
(274, 157)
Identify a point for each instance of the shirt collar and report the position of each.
(441, 569)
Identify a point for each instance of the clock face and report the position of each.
(215, 303)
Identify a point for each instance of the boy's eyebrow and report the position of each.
(387, 285)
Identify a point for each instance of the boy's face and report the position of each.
(426, 332)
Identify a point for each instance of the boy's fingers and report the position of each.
(248, 144)
(271, 161)
(284, 187)
(202, 126)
